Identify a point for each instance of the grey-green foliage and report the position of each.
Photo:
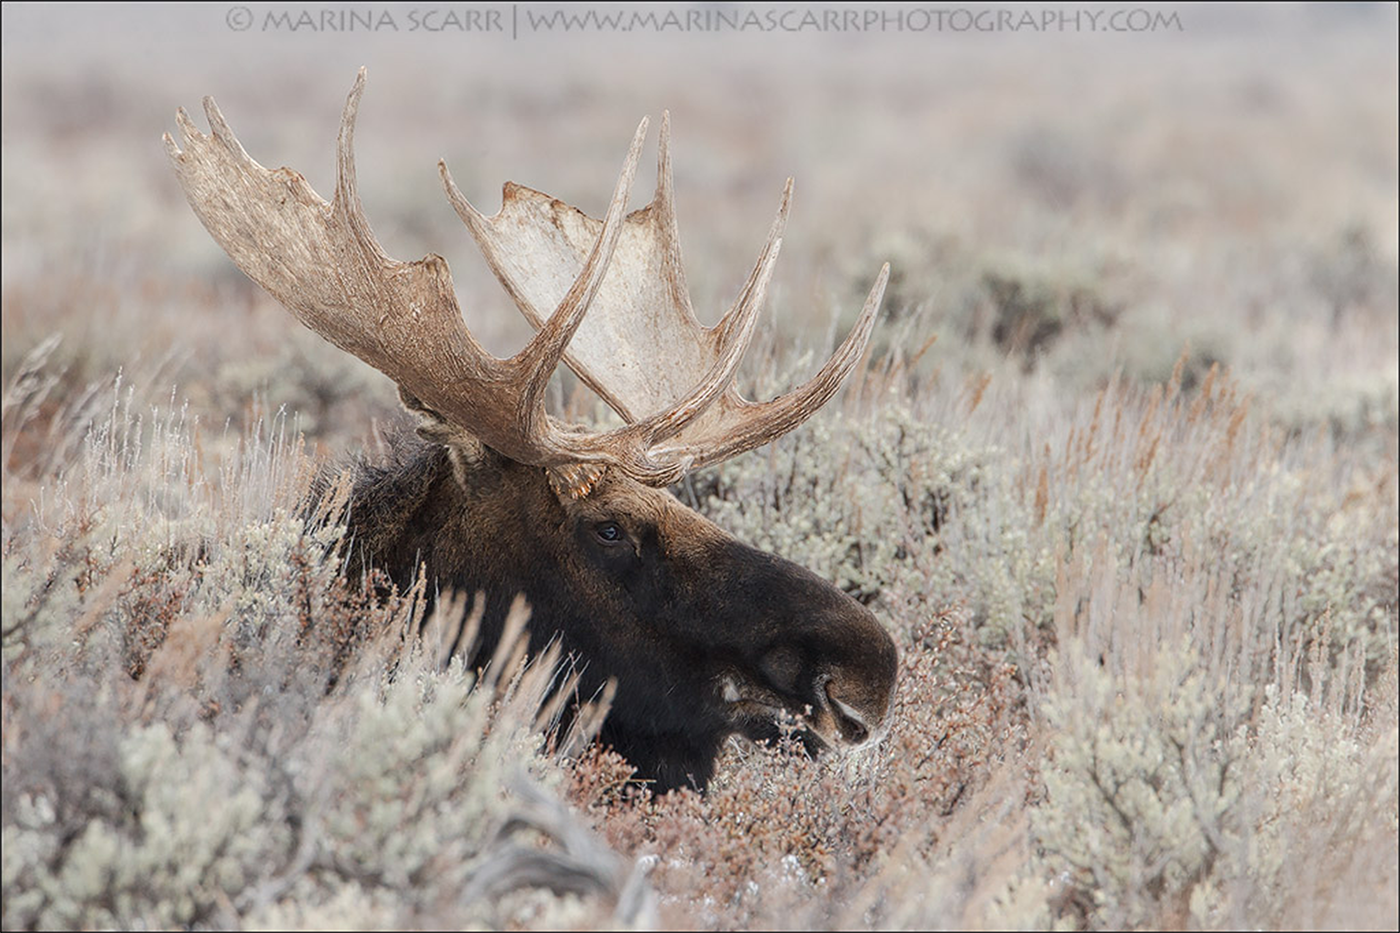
(413, 779)
(1169, 792)
(1199, 742)
(395, 787)
(185, 827)
(1143, 783)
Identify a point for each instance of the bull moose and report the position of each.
(704, 637)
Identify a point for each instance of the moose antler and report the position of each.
(616, 288)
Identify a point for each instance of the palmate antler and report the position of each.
(621, 317)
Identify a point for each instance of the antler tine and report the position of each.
(742, 425)
(479, 227)
(769, 254)
(672, 267)
(552, 340)
(347, 185)
(634, 445)
(733, 425)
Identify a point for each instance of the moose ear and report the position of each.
(463, 447)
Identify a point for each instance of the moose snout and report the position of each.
(858, 694)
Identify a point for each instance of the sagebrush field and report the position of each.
(1119, 475)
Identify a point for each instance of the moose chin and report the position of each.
(704, 637)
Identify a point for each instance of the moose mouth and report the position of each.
(820, 722)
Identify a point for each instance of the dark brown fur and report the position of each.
(704, 636)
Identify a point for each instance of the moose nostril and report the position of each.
(848, 720)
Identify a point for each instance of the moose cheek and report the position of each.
(782, 666)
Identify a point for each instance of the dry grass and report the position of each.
(1131, 518)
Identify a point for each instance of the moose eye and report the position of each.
(608, 532)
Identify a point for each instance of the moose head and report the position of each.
(704, 637)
